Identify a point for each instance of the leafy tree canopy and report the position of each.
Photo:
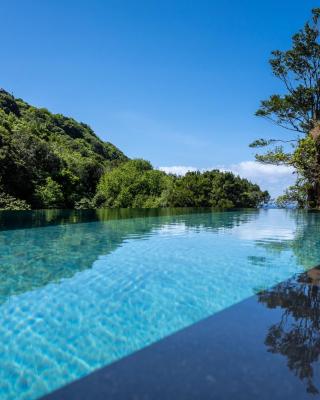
(297, 111)
(136, 184)
(52, 161)
(49, 160)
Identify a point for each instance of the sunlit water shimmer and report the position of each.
(75, 296)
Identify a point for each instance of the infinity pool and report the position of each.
(81, 290)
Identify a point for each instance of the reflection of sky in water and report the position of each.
(77, 297)
(271, 225)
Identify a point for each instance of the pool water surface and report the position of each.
(78, 295)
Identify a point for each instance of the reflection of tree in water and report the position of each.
(297, 334)
(64, 242)
(305, 245)
(40, 218)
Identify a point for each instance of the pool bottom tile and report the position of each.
(265, 347)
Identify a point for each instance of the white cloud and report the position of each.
(273, 178)
(254, 169)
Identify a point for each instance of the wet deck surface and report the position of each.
(266, 347)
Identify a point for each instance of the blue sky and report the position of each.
(174, 82)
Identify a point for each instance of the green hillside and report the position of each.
(49, 160)
(52, 161)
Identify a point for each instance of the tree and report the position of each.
(8, 202)
(133, 184)
(50, 194)
(51, 161)
(298, 111)
(36, 144)
(136, 184)
(297, 334)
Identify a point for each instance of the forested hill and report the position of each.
(51, 161)
(48, 159)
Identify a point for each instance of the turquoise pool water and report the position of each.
(80, 291)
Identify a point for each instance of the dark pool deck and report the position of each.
(266, 347)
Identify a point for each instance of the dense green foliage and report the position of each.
(8, 202)
(214, 189)
(136, 184)
(298, 111)
(51, 161)
(48, 160)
